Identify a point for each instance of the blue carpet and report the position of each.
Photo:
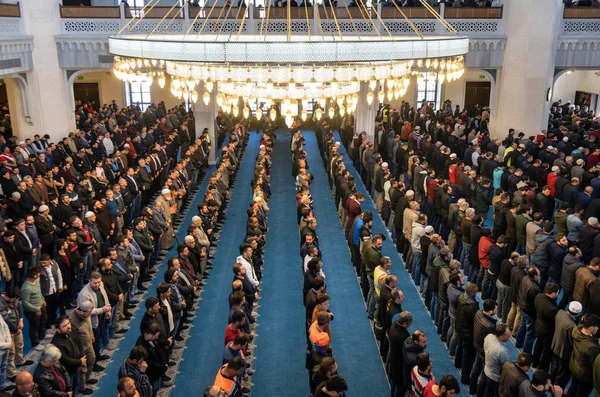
(442, 364)
(204, 349)
(352, 339)
(107, 386)
(280, 350)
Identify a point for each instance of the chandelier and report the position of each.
(289, 67)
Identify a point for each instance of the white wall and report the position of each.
(455, 90)
(164, 94)
(578, 80)
(110, 87)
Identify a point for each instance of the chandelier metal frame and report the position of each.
(288, 67)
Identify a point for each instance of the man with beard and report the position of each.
(73, 359)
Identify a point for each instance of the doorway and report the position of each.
(86, 92)
(477, 93)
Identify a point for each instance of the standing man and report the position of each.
(546, 311)
(585, 351)
(94, 292)
(465, 320)
(34, 307)
(562, 343)
(528, 290)
(496, 354)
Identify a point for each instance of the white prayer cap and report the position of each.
(87, 214)
(43, 208)
(410, 193)
(384, 164)
(575, 307)
(165, 191)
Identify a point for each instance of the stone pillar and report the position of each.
(51, 111)
(364, 119)
(532, 29)
(205, 116)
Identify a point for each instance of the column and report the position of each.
(532, 29)
(364, 119)
(51, 112)
(205, 116)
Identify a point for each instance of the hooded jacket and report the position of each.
(585, 350)
(541, 257)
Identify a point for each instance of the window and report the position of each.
(139, 92)
(427, 90)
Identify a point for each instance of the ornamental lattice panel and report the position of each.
(91, 26)
(281, 27)
(476, 27)
(10, 25)
(404, 27)
(227, 27)
(581, 27)
(147, 27)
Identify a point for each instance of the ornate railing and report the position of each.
(102, 20)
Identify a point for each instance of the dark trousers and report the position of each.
(477, 381)
(64, 301)
(51, 308)
(465, 355)
(579, 388)
(37, 326)
(560, 371)
(443, 323)
(397, 388)
(491, 387)
(542, 352)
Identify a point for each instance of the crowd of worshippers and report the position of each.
(80, 278)
(320, 363)
(171, 310)
(435, 178)
(233, 377)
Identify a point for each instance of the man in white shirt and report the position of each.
(245, 259)
(51, 284)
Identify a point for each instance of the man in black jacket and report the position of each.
(484, 324)
(398, 335)
(465, 320)
(528, 290)
(115, 295)
(13, 257)
(413, 346)
(24, 242)
(513, 374)
(142, 236)
(546, 311)
(73, 359)
(157, 360)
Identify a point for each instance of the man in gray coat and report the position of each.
(562, 343)
(101, 309)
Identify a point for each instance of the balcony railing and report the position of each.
(102, 20)
(10, 20)
(581, 21)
